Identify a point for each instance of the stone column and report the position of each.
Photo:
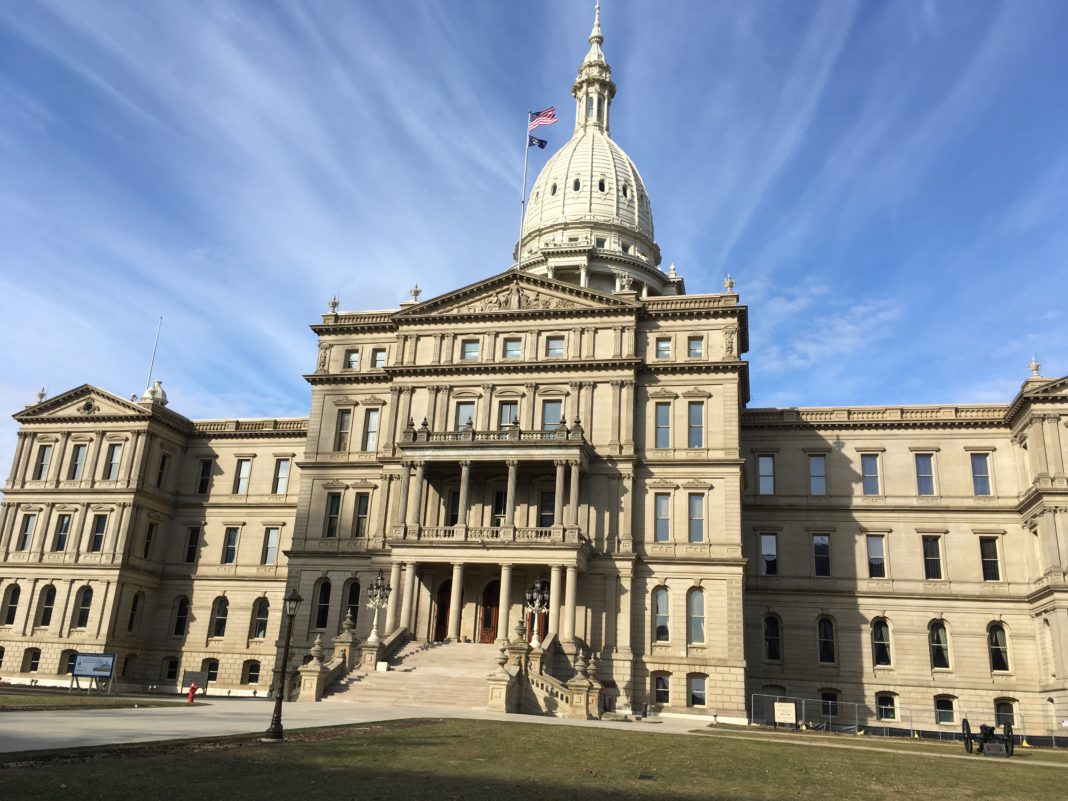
(1036, 444)
(627, 435)
(558, 500)
(455, 602)
(554, 599)
(570, 604)
(584, 280)
(400, 514)
(626, 523)
(98, 446)
(408, 597)
(574, 401)
(16, 463)
(587, 412)
(485, 415)
(391, 604)
(1053, 422)
(465, 492)
(432, 405)
(614, 427)
(504, 604)
(387, 436)
(381, 527)
(416, 510)
(509, 501)
(573, 503)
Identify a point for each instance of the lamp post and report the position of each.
(290, 603)
(377, 597)
(537, 602)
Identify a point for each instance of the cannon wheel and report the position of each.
(1010, 743)
(966, 730)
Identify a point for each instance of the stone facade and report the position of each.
(578, 421)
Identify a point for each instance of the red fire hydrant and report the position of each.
(192, 691)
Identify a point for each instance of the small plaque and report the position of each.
(995, 749)
(785, 712)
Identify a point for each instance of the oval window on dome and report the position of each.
(552, 190)
(600, 185)
(576, 185)
(625, 190)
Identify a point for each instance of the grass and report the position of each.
(450, 760)
(43, 700)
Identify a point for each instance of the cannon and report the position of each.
(989, 741)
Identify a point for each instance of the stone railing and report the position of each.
(497, 535)
(510, 434)
(243, 426)
(992, 413)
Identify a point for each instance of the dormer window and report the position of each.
(552, 189)
(625, 190)
(599, 242)
(576, 185)
(600, 185)
(626, 247)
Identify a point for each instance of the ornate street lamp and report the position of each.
(537, 602)
(377, 597)
(290, 603)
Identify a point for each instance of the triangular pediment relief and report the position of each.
(86, 402)
(515, 292)
(1057, 388)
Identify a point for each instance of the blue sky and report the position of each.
(887, 181)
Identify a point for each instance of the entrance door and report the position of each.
(441, 621)
(487, 627)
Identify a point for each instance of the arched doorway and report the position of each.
(487, 626)
(441, 620)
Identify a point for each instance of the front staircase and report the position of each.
(424, 674)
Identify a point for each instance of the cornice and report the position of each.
(476, 368)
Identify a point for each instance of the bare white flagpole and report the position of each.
(152, 361)
(523, 196)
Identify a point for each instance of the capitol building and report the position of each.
(571, 434)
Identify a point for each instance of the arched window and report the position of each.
(999, 647)
(260, 614)
(626, 189)
(322, 605)
(45, 605)
(945, 709)
(825, 640)
(695, 615)
(83, 604)
(219, 611)
(552, 189)
(10, 605)
(66, 662)
(181, 616)
(136, 604)
(31, 660)
(772, 639)
(661, 688)
(880, 642)
(661, 629)
(352, 601)
(250, 672)
(829, 702)
(600, 185)
(576, 185)
(885, 706)
(1004, 711)
(939, 642)
(211, 667)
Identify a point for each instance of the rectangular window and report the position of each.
(663, 347)
(554, 347)
(988, 552)
(59, 542)
(363, 502)
(229, 554)
(96, 535)
(552, 414)
(697, 691)
(817, 474)
(270, 545)
(111, 461)
(769, 554)
(981, 473)
(378, 358)
(697, 517)
(333, 514)
(77, 461)
(150, 536)
(512, 348)
(342, 428)
(507, 413)
(695, 347)
(821, 555)
(280, 481)
(170, 669)
(465, 414)
(662, 420)
(352, 359)
(469, 350)
(204, 476)
(29, 523)
(546, 509)
(766, 474)
(44, 457)
(192, 544)
(695, 431)
(925, 474)
(884, 708)
(661, 689)
(452, 509)
(932, 558)
(661, 517)
(876, 556)
(500, 498)
(370, 429)
(161, 474)
(869, 468)
(241, 476)
(944, 710)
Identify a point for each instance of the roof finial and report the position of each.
(415, 292)
(595, 34)
(728, 283)
(1034, 366)
(333, 304)
(41, 395)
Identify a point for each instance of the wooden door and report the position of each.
(487, 627)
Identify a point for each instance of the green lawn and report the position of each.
(454, 759)
(43, 700)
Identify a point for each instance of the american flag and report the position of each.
(546, 117)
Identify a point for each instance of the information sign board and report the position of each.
(94, 666)
(785, 712)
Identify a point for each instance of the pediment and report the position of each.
(84, 402)
(516, 292)
(1057, 388)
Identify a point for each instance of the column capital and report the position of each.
(465, 463)
(561, 462)
(530, 386)
(575, 386)
(511, 462)
(616, 383)
(394, 389)
(488, 387)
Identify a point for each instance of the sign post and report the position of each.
(95, 667)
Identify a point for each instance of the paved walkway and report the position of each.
(61, 730)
